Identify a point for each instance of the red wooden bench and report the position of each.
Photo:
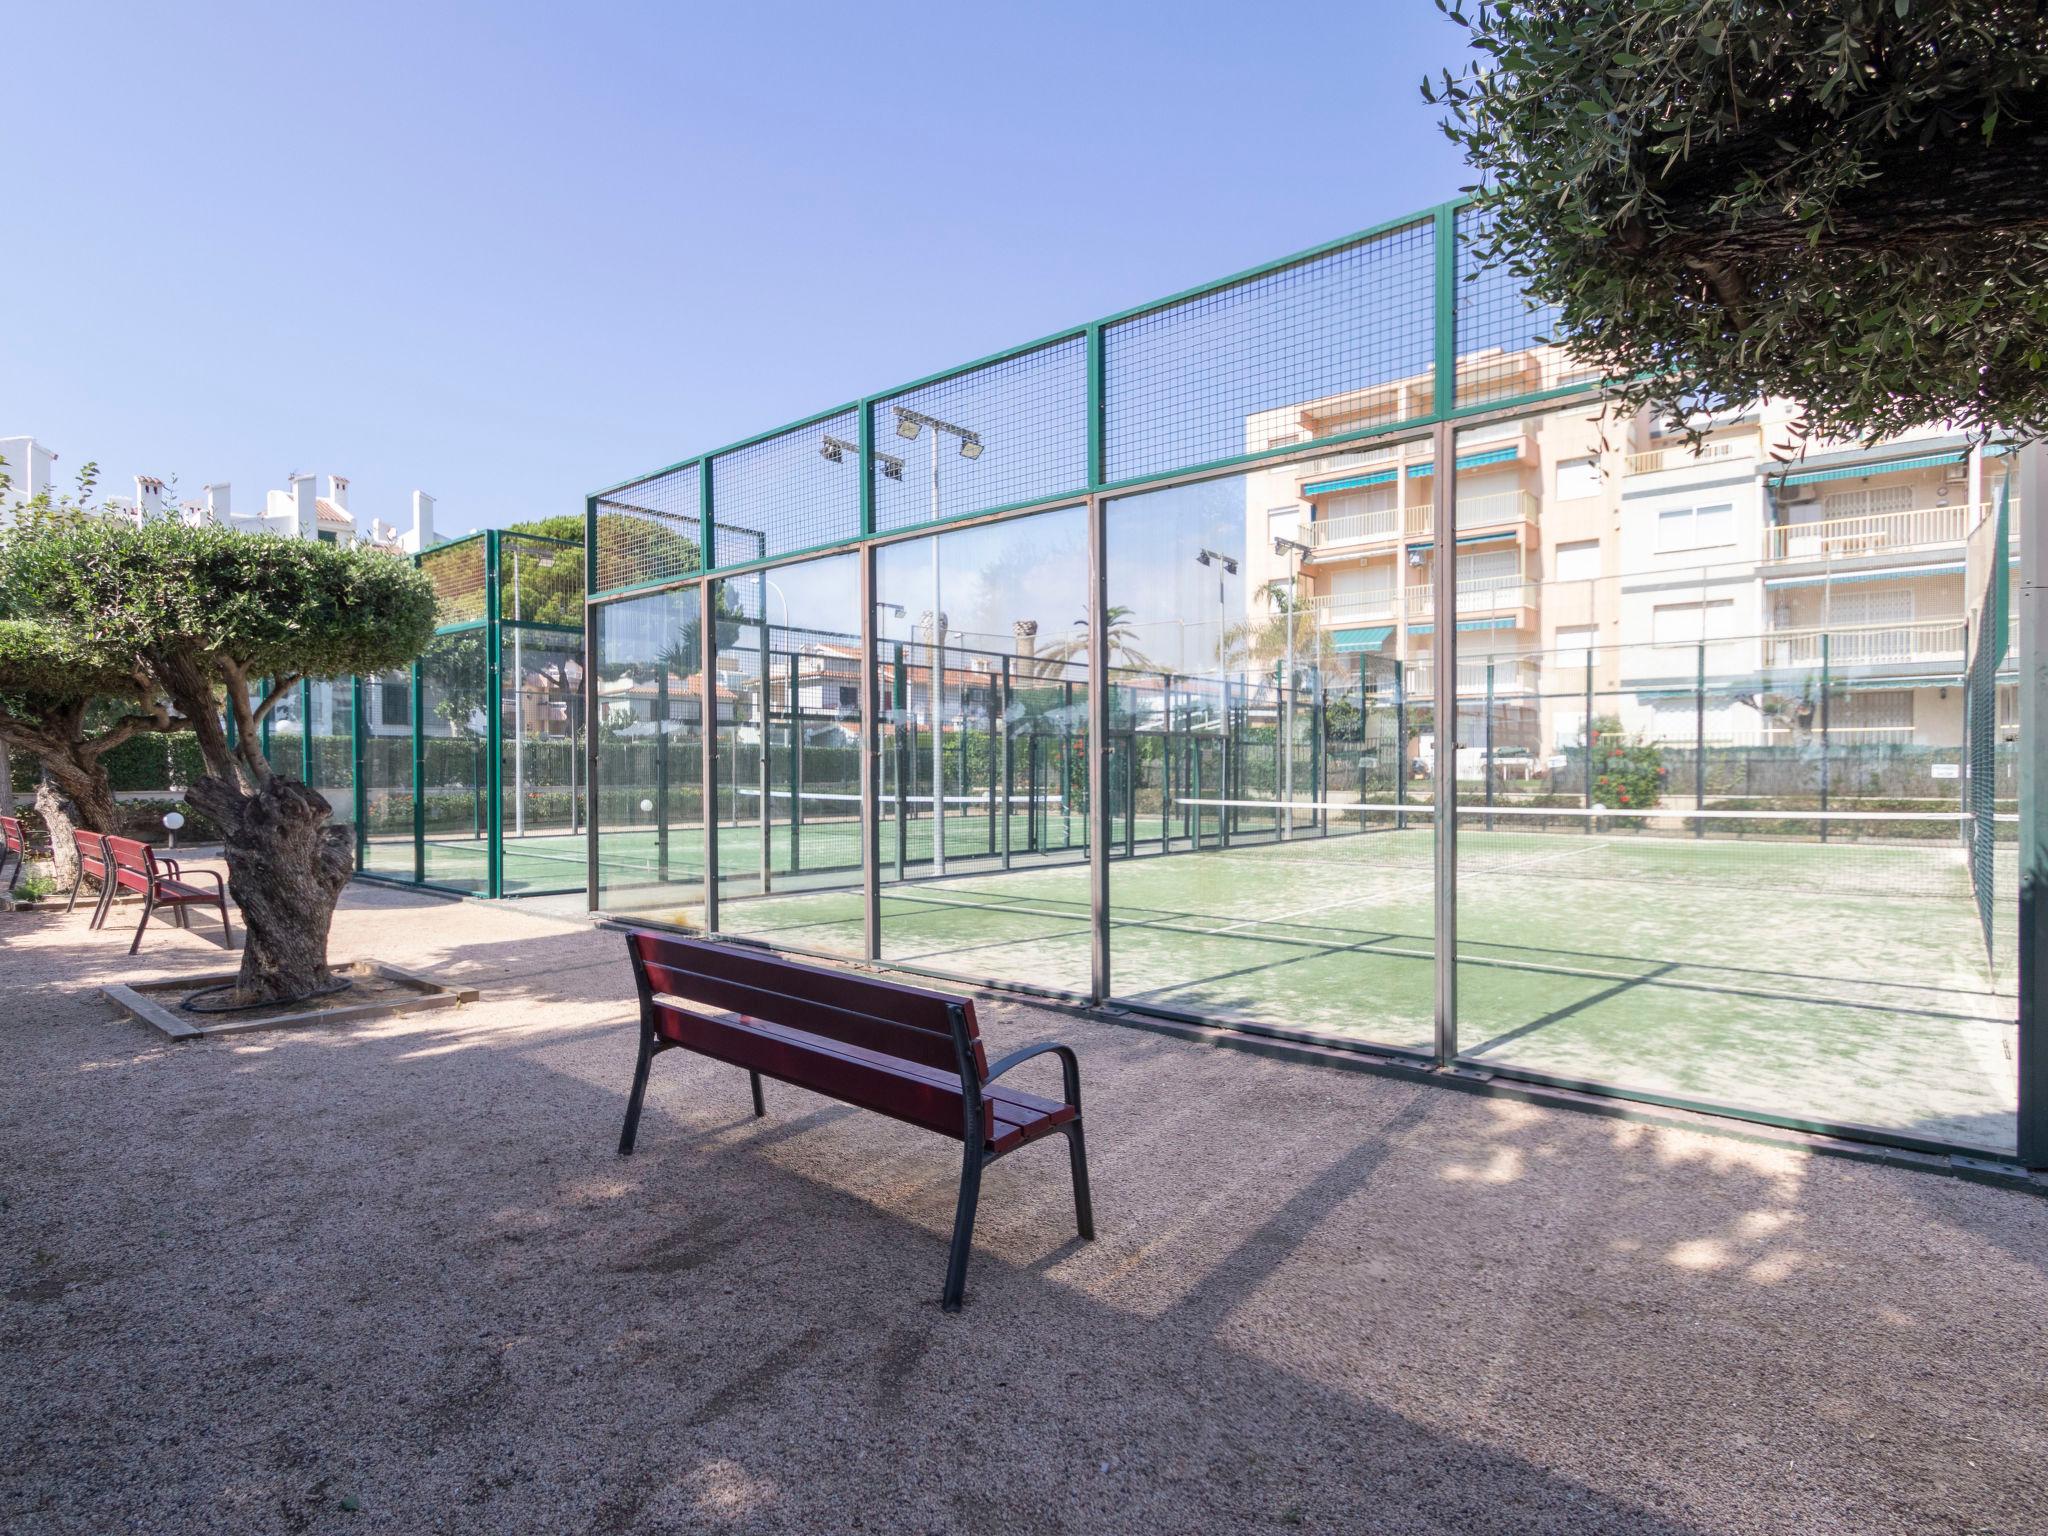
(912, 1054)
(161, 883)
(92, 860)
(13, 845)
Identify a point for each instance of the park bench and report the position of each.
(92, 860)
(912, 1054)
(13, 845)
(161, 883)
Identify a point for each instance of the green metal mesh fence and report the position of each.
(799, 489)
(651, 530)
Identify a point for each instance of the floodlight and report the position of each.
(1202, 558)
(831, 450)
(906, 426)
(891, 468)
(970, 447)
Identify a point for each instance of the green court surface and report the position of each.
(1842, 983)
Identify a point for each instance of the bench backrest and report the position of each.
(134, 863)
(10, 830)
(909, 1023)
(92, 852)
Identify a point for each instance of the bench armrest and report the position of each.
(1070, 1067)
(198, 874)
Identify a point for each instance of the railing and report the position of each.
(1354, 607)
(1900, 735)
(1921, 528)
(1672, 458)
(1477, 595)
(1869, 644)
(1419, 521)
(1511, 675)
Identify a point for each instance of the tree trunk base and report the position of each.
(57, 816)
(286, 869)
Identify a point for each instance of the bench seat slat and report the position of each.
(873, 1080)
(820, 1019)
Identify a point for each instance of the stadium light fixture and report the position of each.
(970, 447)
(836, 449)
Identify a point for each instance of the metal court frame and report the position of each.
(1442, 426)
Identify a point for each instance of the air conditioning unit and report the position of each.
(1799, 496)
(1956, 474)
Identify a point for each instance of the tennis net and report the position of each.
(1881, 854)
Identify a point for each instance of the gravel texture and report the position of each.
(394, 1277)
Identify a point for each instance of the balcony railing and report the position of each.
(1679, 455)
(1483, 594)
(1420, 521)
(1878, 533)
(1343, 608)
(1510, 675)
(1869, 644)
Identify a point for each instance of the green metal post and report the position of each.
(707, 533)
(796, 767)
(1444, 220)
(419, 788)
(1486, 744)
(1592, 743)
(899, 704)
(1825, 667)
(1400, 744)
(358, 751)
(306, 729)
(1097, 448)
(1699, 744)
(494, 719)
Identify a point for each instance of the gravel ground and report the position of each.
(394, 1278)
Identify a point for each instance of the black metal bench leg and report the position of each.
(638, 1095)
(148, 907)
(1084, 1202)
(760, 1107)
(963, 1226)
(77, 886)
(227, 934)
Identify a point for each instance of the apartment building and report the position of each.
(1727, 590)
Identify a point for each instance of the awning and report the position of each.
(1890, 573)
(1467, 538)
(1348, 483)
(1873, 464)
(1465, 626)
(1349, 640)
(1470, 461)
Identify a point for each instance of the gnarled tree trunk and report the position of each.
(287, 865)
(57, 816)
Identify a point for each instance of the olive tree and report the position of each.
(1842, 204)
(66, 698)
(204, 614)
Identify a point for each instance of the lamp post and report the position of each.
(1289, 548)
(1225, 566)
(909, 424)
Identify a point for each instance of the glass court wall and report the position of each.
(1161, 662)
(468, 771)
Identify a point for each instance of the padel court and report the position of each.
(1841, 978)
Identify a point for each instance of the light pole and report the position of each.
(1226, 566)
(1288, 548)
(908, 424)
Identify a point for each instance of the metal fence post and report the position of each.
(494, 717)
(1098, 752)
(2031, 601)
(1699, 743)
(358, 751)
(1445, 832)
(707, 639)
(591, 618)
(870, 757)
(419, 775)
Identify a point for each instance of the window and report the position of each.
(1575, 645)
(1577, 479)
(1871, 502)
(849, 698)
(327, 536)
(1696, 527)
(1577, 561)
(394, 703)
(1684, 623)
(1284, 523)
(1857, 606)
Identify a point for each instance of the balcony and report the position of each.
(1679, 455)
(1511, 675)
(1932, 640)
(1880, 533)
(1477, 597)
(1419, 521)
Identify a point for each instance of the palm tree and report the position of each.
(1122, 636)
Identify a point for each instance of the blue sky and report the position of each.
(509, 253)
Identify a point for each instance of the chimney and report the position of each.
(304, 494)
(337, 491)
(421, 538)
(1027, 637)
(149, 496)
(217, 502)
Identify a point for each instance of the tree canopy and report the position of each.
(1842, 204)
